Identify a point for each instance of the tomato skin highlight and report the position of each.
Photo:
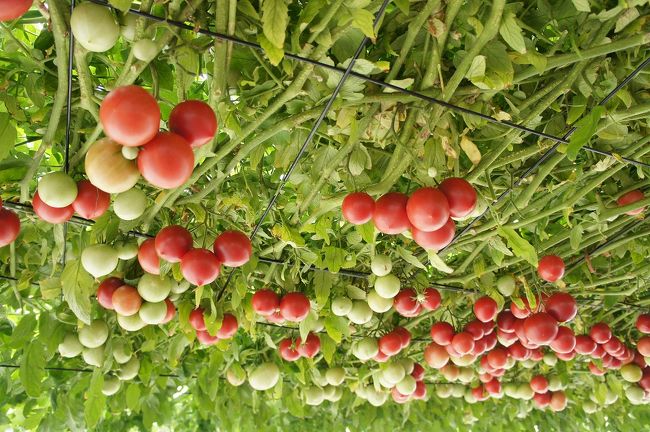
(629, 198)
(200, 267)
(428, 209)
(233, 248)
(105, 291)
(9, 227)
(173, 242)
(51, 214)
(195, 121)
(551, 268)
(294, 307)
(148, 258)
(390, 213)
(358, 208)
(460, 195)
(91, 202)
(166, 161)
(130, 116)
(435, 240)
(14, 9)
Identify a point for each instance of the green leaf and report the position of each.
(122, 5)
(7, 135)
(133, 393)
(367, 231)
(410, 258)
(512, 33)
(77, 287)
(364, 21)
(477, 68)
(23, 332)
(520, 246)
(626, 18)
(274, 53)
(95, 399)
(327, 347)
(32, 368)
(275, 17)
(581, 5)
(438, 263)
(586, 127)
(576, 236)
(336, 327)
(322, 287)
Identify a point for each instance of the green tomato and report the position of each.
(407, 364)
(70, 347)
(366, 348)
(99, 260)
(376, 398)
(121, 352)
(589, 407)
(145, 50)
(154, 288)
(443, 391)
(180, 287)
(130, 153)
(335, 376)
(94, 335)
(341, 306)
(550, 359)
(127, 251)
(378, 303)
(57, 189)
(332, 393)
(314, 395)
(111, 386)
(360, 312)
(394, 373)
(153, 313)
(407, 385)
(131, 323)
(381, 265)
(129, 370)
(235, 375)
(631, 373)
(387, 286)
(93, 356)
(94, 27)
(264, 376)
(506, 285)
(130, 205)
(634, 394)
(128, 28)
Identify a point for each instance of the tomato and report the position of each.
(631, 373)
(435, 240)
(287, 350)
(404, 335)
(518, 351)
(461, 196)
(131, 323)
(417, 372)
(310, 347)
(558, 401)
(525, 312)
(436, 356)
(398, 397)
(390, 344)
(145, 50)
(479, 393)
(358, 208)
(200, 267)
(9, 226)
(153, 313)
(540, 328)
(475, 328)
(172, 242)
(105, 291)
(485, 309)
(428, 209)
(551, 268)
(506, 321)
(405, 303)
(206, 338)
(264, 377)
(381, 265)
(99, 259)
(57, 189)
(442, 333)
(431, 300)
(390, 213)
(463, 343)
(407, 385)
(108, 169)
(561, 306)
(130, 205)
(585, 345)
(195, 121)
(94, 27)
(111, 386)
(387, 286)
(366, 348)
(93, 335)
(154, 288)
(642, 322)
(629, 198)
(614, 347)
(376, 302)
(565, 341)
(497, 358)
(490, 341)
(171, 311)
(542, 400)
(126, 300)
(643, 346)
(266, 302)
(229, 326)
(493, 386)
(600, 333)
(166, 161)
(275, 317)
(14, 9)
(506, 285)
(70, 347)
(131, 116)
(420, 392)
(506, 339)
(294, 307)
(233, 248)
(91, 202)
(93, 356)
(51, 214)
(196, 319)
(148, 258)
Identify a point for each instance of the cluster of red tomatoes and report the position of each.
(428, 213)
(89, 201)
(293, 307)
(392, 343)
(420, 392)
(407, 303)
(9, 226)
(229, 326)
(291, 350)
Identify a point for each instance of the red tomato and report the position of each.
(442, 333)
(643, 346)
(390, 343)
(431, 299)
(195, 121)
(13, 9)
(229, 327)
(460, 195)
(585, 345)
(518, 351)
(200, 267)
(9, 226)
(643, 323)
(521, 313)
(463, 343)
(105, 291)
(206, 338)
(148, 258)
(551, 268)
(436, 356)
(265, 302)
(629, 198)
(475, 328)
(418, 372)
(614, 347)
(558, 401)
(358, 208)
(310, 348)
(126, 300)
(287, 350)
(451, 350)
(506, 339)
(171, 311)
(233, 248)
(294, 307)
(275, 317)
(561, 306)
(506, 321)
(420, 392)
(428, 209)
(565, 341)
(540, 328)
(404, 335)
(595, 370)
(542, 400)
(479, 393)
(490, 341)
(166, 161)
(173, 242)
(485, 377)
(485, 309)
(645, 381)
(435, 240)
(390, 213)
(493, 386)
(51, 214)
(600, 333)
(497, 358)
(398, 397)
(380, 357)
(130, 116)
(405, 302)
(197, 321)
(91, 202)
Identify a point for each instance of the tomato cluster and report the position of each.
(229, 326)
(292, 307)
(417, 392)
(9, 226)
(408, 304)
(291, 350)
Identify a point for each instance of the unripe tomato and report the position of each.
(360, 312)
(57, 189)
(485, 309)
(376, 302)
(435, 240)
(131, 204)
(551, 268)
(561, 306)
(264, 377)
(310, 347)
(643, 323)
(229, 327)
(70, 347)
(93, 335)
(99, 259)
(166, 161)
(206, 338)
(387, 286)
(94, 27)
(195, 121)
(200, 267)
(540, 328)
(358, 208)
(93, 356)
(126, 300)
(390, 213)
(600, 333)
(428, 209)
(51, 214)
(108, 169)
(294, 307)
(14, 9)
(153, 313)
(196, 319)
(111, 386)
(506, 285)
(233, 248)
(287, 350)
(105, 291)
(629, 198)
(171, 311)
(148, 258)
(460, 195)
(145, 50)
(9, 226)
(91, 202)
(131, 323)
(381, 265)
(172, 243)
(442, 333)
(265, 302)
(131, 117)
(154, 288)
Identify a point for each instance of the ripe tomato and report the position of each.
(629, 198)
(172, 242)
(526, 311)
(404, 335)
(9, 226)
(148, 258)
(551, 268)
(390, 343)
(51, 214)
(493, 386)
(540, 328)
(435, 240)
(275, 317)
(171, 311)
(358, 208)
(130, 116)
(463, 343)
(91, 202)
(200, 267)
(310, 348)
(600, 333)
(126, 301)
(417, 372)
(428, 209)
(490, 341)
(506, 321)
(196, 319)
(233, 248)
(390, 213)
(13, 9)
(518, 351)
(105, 291)
(497, 358)
(475, 328)
(585, 345)
(431, 300)
(479, 393)
(506, 339)
(436, 356)
(420, 392)
(442, 333)
(565, 341)
(405, 303)
(485, 309)
(287, 350)
(542, 400)
(614, 347)
(380, 357)
(595, 370)
(294, 307)
(265, 302)
(206, 338)
(229, 327)
(195, 121)
(166, 161)
(561, 306)
(558, 401)
(643, 323)
(398, 397)
(643, 346)
(460, 195)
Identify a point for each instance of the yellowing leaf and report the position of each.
(275, 16)
(470, 149)
(274, 53)
(512, 33)
(364, 21)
